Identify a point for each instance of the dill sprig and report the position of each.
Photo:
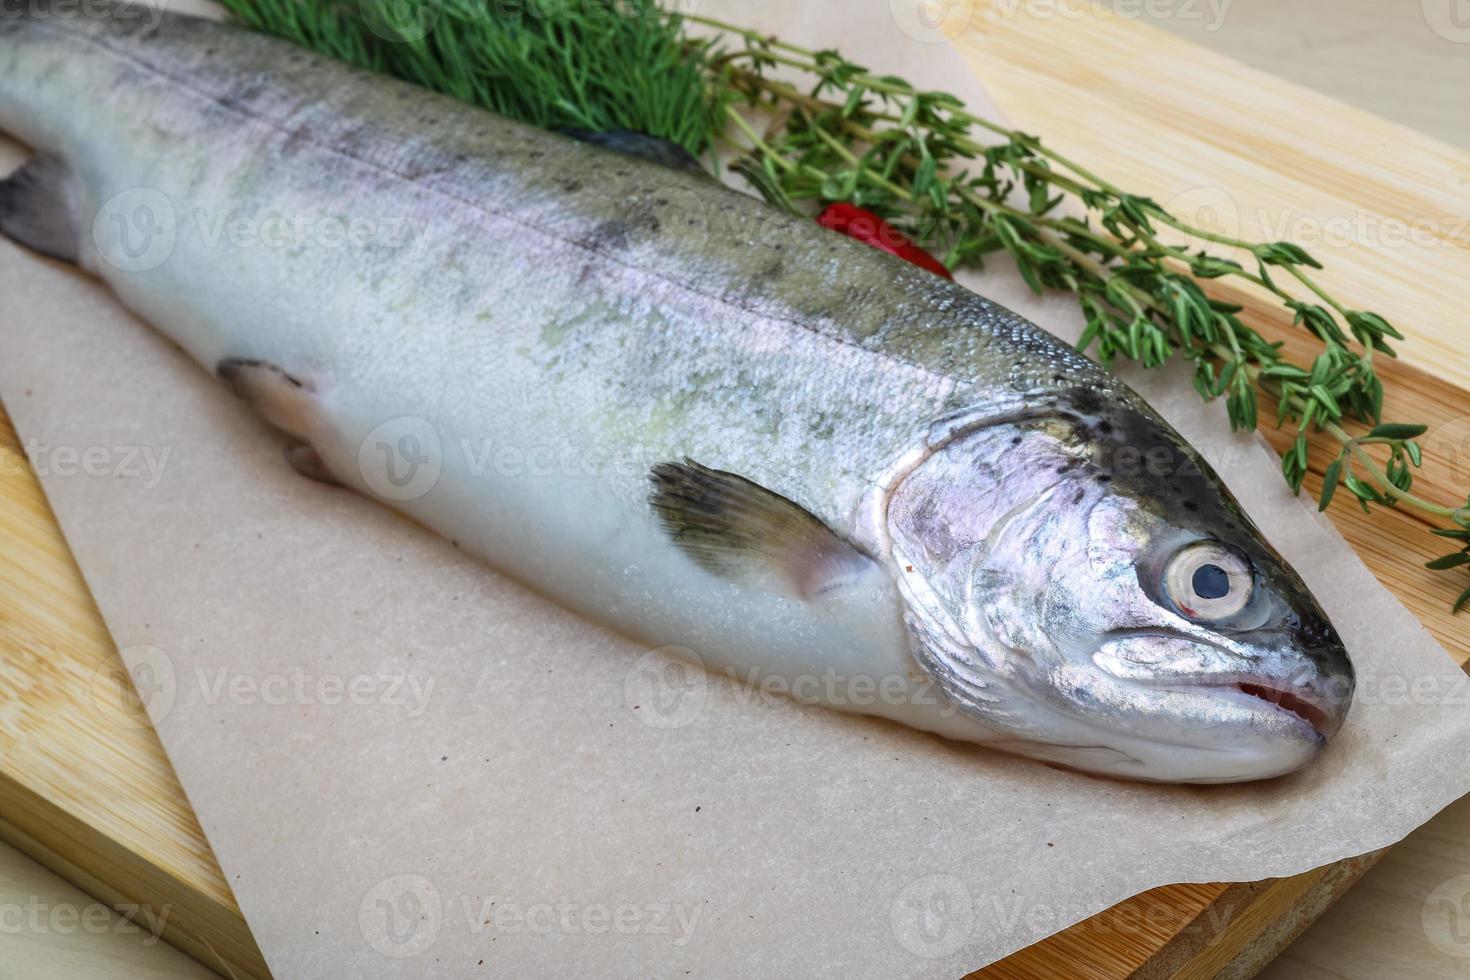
(807, 127)
(558, 64)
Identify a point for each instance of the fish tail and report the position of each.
(38, 208)
(46, 68)
(36, 201)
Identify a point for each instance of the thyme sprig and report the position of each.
(807, 127)
(916, 159)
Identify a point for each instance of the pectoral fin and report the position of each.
(739, 530)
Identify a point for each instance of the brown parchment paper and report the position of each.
(411, 767)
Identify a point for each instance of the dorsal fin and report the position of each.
(654, 149)
(739, 530)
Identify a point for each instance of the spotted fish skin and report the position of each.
(503, 332)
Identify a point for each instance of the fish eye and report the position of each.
(1208, 582)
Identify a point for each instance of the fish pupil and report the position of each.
(1210, 582)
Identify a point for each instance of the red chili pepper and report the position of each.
(865, 226)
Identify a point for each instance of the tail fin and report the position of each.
(38, 208)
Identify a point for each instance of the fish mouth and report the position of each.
(1304, 701)
(1313, 714)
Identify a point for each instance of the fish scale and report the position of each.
(700, 420)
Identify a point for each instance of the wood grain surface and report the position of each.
(1409, 62)
(1385, 209)
(1408, 917)
(84, 785)
(52, 930)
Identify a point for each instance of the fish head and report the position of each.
(1080, 581)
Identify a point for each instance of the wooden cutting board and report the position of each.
(1388, 212)
(86, 789)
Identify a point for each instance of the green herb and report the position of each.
(557, 64)
(806, 127)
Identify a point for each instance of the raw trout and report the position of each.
(676, 410)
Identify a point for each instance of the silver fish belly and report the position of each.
(678, 411)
